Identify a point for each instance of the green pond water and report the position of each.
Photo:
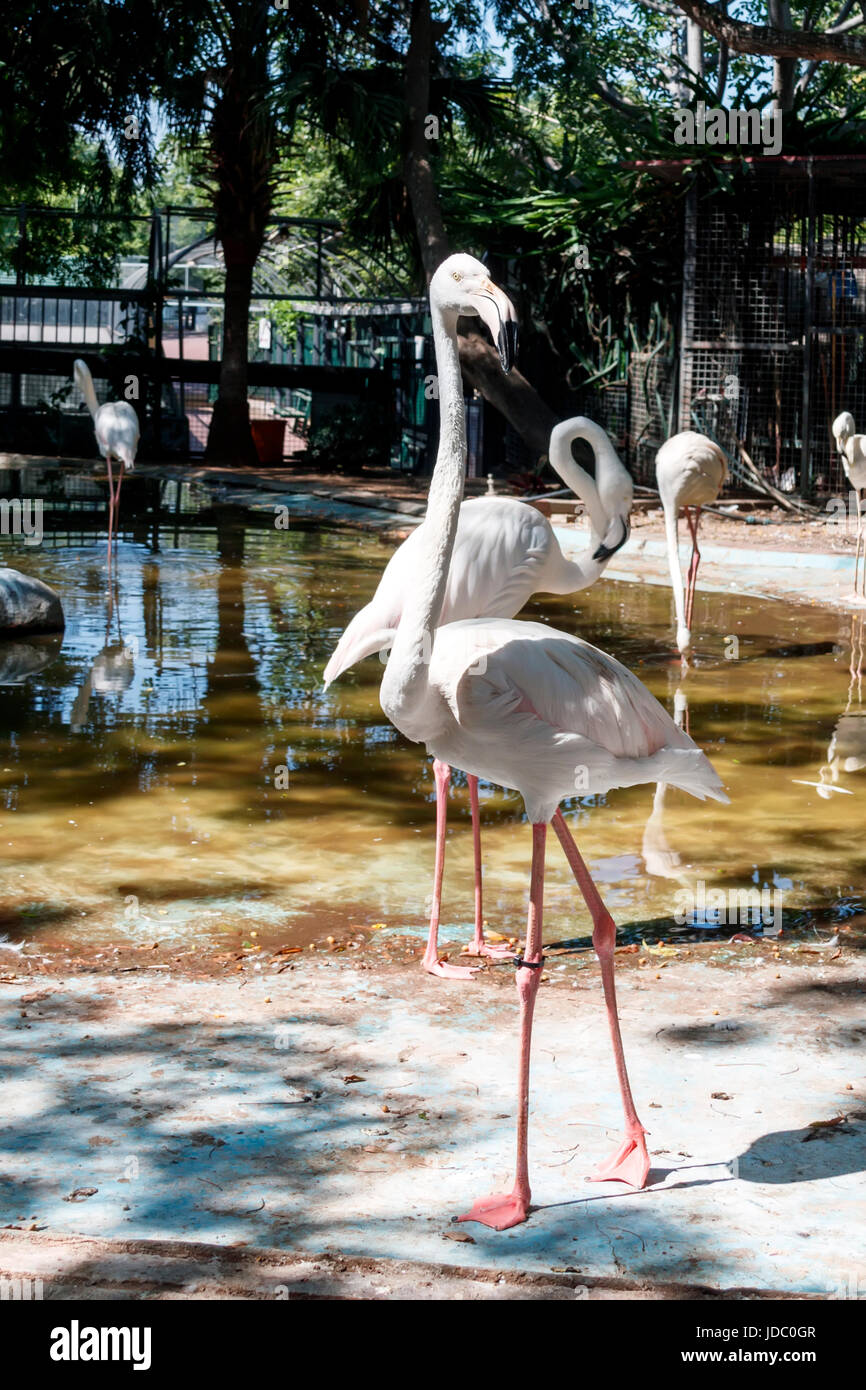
(174, 770)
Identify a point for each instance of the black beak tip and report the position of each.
(604, 552)
(507, 344)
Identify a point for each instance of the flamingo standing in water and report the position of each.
(526, 707)
(852, 447)
(690, 472)
(117, 432)
(504, 552)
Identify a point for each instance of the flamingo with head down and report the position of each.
(528, 708)
(690, 472)
(852, 447)
(117, 432)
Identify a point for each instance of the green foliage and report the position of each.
(547, 115)
(348, 441)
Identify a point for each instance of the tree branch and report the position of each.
(765, 40)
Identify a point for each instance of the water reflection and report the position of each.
(111, 671)
(177, 750)
(23, 657)
(661, 860)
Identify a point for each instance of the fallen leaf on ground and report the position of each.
(81, 1193)
(660, 950)
(821, 1127)
(458, 1235)
(349, 1079)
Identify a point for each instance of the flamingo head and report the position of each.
(843, 428)
(462, 284)
(619, 532)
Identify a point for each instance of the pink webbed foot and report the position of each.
(630, 1163)
(499, 1211)
(489, 950)
(450, 972)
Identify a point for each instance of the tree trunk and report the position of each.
(243, 151)
(229, 437)
(695, 51)
(513, 395)
(784, 69)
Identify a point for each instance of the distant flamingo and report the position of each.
(690, 471)
(504, 552)
(526, 707)
(117, 433)
(852, 447)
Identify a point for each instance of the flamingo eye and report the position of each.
(455, 275)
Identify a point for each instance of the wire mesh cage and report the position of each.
(774, 311)
(651, 395)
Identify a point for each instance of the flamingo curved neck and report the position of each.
(606, 496)
(407, 675)
(597, 494)
(577, 478)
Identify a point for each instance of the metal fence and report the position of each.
(774, 313)
(317, 342)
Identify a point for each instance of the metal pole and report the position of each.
(20, 279)
(805, 450)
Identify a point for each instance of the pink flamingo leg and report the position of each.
(117, 502)
(478, 946)
(432, 964)
(502, 1210)
(693, 567)
(630, 1163)
(110, 510)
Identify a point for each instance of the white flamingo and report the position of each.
(690, 472)
(117, 432)
(526, 707)
(852, 447)
(504, 552)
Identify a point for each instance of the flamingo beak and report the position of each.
(604, 552)
(496, 310)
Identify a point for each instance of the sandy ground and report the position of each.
(329, 1117)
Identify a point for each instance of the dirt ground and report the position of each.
(266, 1124)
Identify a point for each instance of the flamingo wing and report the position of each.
(552, 715)
(500, 552)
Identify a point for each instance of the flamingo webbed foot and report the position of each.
(489, 950)
(630, 1164)
(450, 972)
(499, 1211)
